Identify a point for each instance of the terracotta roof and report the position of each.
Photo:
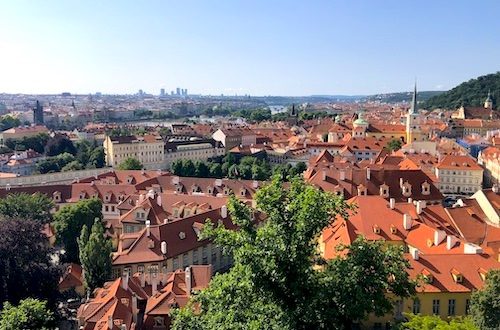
(459, 162)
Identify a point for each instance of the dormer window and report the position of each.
(384, 190)
(427, 276)
(227, 191)
(426, 188)
(243, 192)
(176, 212)
(361, 190)
(406, 189)
(107, 198)
(376, 229)
(482, 273)
(394, 230)
(159, 321)
(195, 188)
(82, 195)
(210, 190)
(130, 179)
(178, 188)
(57, 196)
(457, 276)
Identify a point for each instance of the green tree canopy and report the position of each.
(394, 145)
(433, 322)
(278, 274)
(485, 303)
(30, 314)
(35, 207)
(69, 221)
(95, 255)
(26, 269)
(130, 163)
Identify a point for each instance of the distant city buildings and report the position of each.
(38, 114)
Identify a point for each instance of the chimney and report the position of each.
(148, 229)
(125, 281)
(410, 200)
(187, 272)
(223, 211)
(420, 206)
(165, 221)
(134, 308)
(414, 253)
(368, 173)
(401, 183)
(110, 322)
(158, 200)
(175, 180)
(451, 241)
(495, 188)
(392, 203)
(407, 221)
(164, 248)
(342, 175)
(439, 236)
(154, 286)
(123, 327)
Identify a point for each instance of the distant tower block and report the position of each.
(38, 114)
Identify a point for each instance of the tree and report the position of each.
(25, 262)
(285, 274)
(188, 167)
(59, 144)
(431, 322)
(69, 221)
(300, 168)
(29, 314)
(96, 157)
(394, 145)
(216, 170)
(177, 167)
(201, 169)
(34, 207)
(8, 122)
(485, 303)
(130, 163)
(95, 255)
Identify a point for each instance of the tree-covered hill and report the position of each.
(469, 93)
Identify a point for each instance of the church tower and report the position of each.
(413, 132)
(488, 103)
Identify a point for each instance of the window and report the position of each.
(451, 307)
(159, 321)
(467, 306)
(117, 272)
(153, 269)
(435, 306)
(185, 261)
(214, 255)
(416, 306)
(204, 255)
(127, 271)
(176, 264)
(195, 257)
(140, 269)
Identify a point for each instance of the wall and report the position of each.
(51, 178)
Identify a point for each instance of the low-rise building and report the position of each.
(193, 148)
(148, 149)
(459, 175)
(20, 132)
(489, 158)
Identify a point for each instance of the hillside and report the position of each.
(401, 96)
(469, 93)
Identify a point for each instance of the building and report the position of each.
(20, 132)
(193, 148)
(489, 158)
(413, 130)
(148, 149)
(459, 175)
(141, 301)
(232, 137)
(38, 114)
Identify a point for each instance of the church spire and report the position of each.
(413, 108)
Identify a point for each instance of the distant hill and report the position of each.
(469, 93)
(402, 96)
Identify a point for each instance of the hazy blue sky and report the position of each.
(263, 47)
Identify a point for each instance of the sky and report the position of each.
(256, 47)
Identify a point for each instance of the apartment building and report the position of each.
(192, 148)
(489, 158)
(148, 149)
(459, 174)
(232, 137)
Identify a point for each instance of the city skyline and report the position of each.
(257, 48)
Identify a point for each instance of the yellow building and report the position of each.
(148, 149)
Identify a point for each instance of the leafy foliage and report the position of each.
(7, 122)
(34, 207)
(69, 221)
(278, 274)
(130, 163)
(59, 144)
(485, 303)
(394, 145)
(469, 93)
(36, 143)
(95, 255)
(433, 322)
(26, 268)
(29, 314)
